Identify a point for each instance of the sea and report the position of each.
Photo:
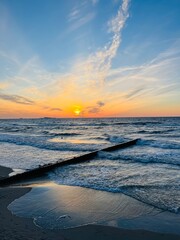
(148, 171)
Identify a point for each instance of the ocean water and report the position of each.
(148, 171)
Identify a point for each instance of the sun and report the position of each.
(77, 111)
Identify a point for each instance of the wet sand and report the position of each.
(13, 227)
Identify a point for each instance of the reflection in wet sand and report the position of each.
(58, 207)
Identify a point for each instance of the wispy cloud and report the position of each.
(134, 92)
(16, 99)
(79, 22)
(150, 80)
(100, 103)
(96, 67)
(80, 15)
(55, 109)
(74, 14)
(52, 108)
(9, 57)
(31, 76)
(97, 108)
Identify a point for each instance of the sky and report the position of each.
(89, 58)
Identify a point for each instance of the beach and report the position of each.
(13, 227)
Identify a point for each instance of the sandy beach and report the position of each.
(13, 227)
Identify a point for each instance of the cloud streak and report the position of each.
(97, 108)
(55, 109)
(79, 16)
(16, 99)
(82, 21)
(147, 81)
(134, 92)
(98, 64)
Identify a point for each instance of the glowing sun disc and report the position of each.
(77, 111)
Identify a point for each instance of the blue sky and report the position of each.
(52, 53)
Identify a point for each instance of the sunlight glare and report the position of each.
(77, 111)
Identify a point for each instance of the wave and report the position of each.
(99, 138)
(159, 144)
(16, 129)
(61, 134)
(43, 143)
(164, 144)
(159, 158)
(115, 138)
(66, 134)
(138, 123)
(156, 131)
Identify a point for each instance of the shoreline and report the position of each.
(13, 227)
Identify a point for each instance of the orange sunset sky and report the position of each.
(89, 58)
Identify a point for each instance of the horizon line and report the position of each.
(20, 118)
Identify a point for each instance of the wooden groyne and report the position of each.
(40, 171)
